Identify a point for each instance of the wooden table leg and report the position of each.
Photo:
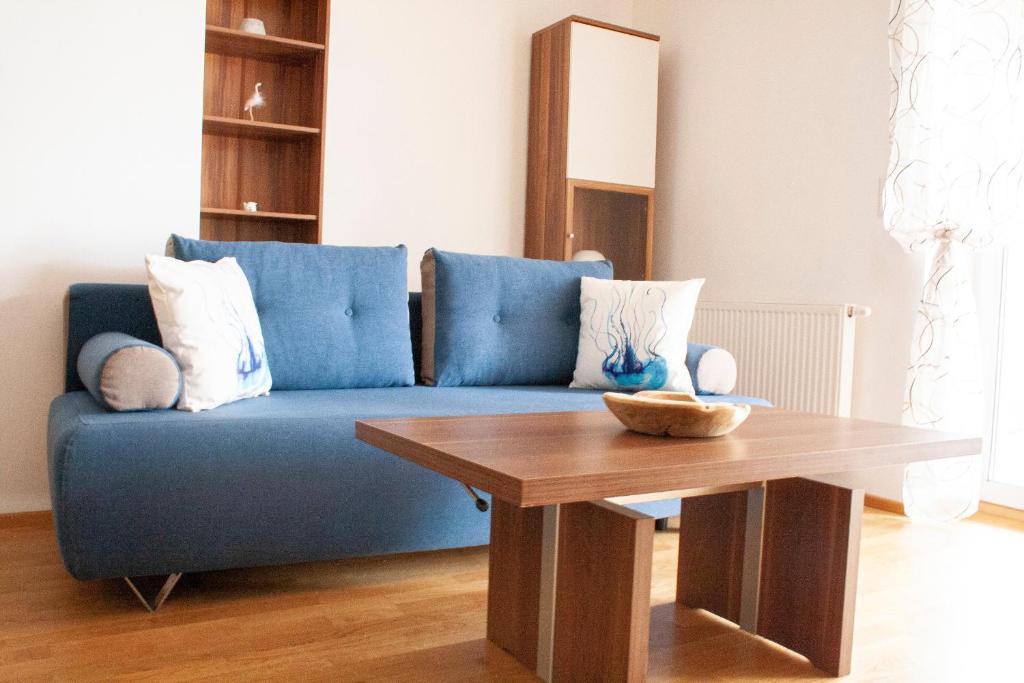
(603, 599)
(513, 593)
(809, 570)
(792, 580)
(720, 554)
(585, 600)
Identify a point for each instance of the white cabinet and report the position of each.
(613, 106)
(593, 128)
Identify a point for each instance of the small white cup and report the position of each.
(250, 25)
(251, 207)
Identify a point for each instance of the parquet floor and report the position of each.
(936, 603)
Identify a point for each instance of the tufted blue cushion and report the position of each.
(493, 320)
(332, 317)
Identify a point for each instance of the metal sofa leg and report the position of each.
(161, 596)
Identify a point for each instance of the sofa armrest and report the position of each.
(712, 368)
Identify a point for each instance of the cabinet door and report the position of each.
(613, 106)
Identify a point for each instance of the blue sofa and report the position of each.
(264, 481)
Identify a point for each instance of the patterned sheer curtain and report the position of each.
(956, 174)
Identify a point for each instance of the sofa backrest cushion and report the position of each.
(495, 320)
(96, 307)
(332, 317)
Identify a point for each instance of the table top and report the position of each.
(534, 459)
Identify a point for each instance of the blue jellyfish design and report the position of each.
(629, 337)
(251, 359)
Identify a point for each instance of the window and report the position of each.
(1006, 465)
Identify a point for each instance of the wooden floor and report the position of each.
(936, 603)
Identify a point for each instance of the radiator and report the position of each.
(799, 357)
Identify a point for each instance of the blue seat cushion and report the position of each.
(269, 480)
(332, 317)
(497, 320)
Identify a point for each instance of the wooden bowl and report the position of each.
(670, 413)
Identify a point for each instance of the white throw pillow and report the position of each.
(209, 323)
(633, 334)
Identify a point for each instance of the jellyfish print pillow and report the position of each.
(633, 334)
(209, 323)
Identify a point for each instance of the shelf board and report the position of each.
(208, 212)
(244, 128)
(234, 43)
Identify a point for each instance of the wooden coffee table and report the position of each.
(760, 545)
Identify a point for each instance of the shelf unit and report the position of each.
(276, 160)
(593, 125)
(616, 220)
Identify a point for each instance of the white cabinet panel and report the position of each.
(613, 106)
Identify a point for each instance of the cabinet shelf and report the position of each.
(243, 128)
(235, 43)
(209, 212)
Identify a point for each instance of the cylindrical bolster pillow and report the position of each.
(712, 368)
(125, 373)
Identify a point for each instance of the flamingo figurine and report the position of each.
(254, 102)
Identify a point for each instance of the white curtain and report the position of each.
(955, 183)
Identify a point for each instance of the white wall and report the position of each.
(100, 162)
(426, 139)
(428, 105)
(772, 140)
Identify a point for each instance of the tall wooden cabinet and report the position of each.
(593, 126)
(276, 160)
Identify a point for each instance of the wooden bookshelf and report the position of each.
(275, 160)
